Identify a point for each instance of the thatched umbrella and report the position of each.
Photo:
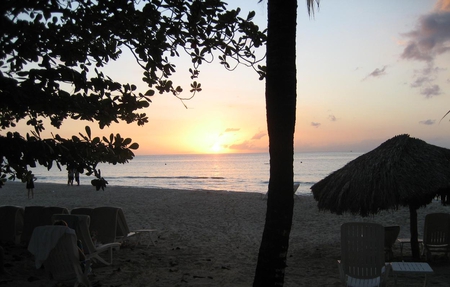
(402, 171)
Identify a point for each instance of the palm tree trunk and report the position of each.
(281, 84)
(415, 250)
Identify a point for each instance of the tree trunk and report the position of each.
(415, 250)
(281, 94)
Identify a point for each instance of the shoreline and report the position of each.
(208, 238)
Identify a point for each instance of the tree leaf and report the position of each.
(134, 146)
(150, 93)
(88, 131)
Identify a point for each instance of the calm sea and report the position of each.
(232, 172)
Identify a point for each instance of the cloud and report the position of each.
(430, 39)
(376, 73)
(431, 91)
(424, 80)
(245, 145)
(426, 75)
(229, 130)
(443, 5)
(248, 144)
(232, 130)
(427, 122)
(314, 124)
(259, 135)
(332, 118)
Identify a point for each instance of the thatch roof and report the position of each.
(402, 171)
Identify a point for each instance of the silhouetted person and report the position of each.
(69, 176)
(30, 184)
(77, 176)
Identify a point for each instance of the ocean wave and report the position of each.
(173, 177)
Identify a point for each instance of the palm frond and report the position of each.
(310, 5)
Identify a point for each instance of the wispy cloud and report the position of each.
(250, 144)
(427, 122)
(245, 145)
(229, 130)
(314, 124)
(424, 80)
(232, 130)
(443, 5)
(376, 73)
(259, 135)
(431, 91)
(430, 39)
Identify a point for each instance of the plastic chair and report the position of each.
(362, 255)
(55, 247)
(436, 237)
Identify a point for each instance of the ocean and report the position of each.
(231, 172)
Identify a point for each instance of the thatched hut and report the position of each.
(403, 171)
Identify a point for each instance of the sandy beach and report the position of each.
(206, 238)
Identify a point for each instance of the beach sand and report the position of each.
(207, 238)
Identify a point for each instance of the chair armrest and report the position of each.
(108, 246)
(341, 272)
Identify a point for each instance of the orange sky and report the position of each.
(362, 79)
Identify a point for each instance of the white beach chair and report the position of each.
(109, 225)
(362, 255)
(123, 231)
(80, 223)
(103, 222)
(56, 248)
(436, 238)
(38, 216)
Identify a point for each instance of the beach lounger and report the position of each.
(103, 222)
(109, 225)
(55, 247)
(47, 213)
(436, 238)
(362, 255)
(31, 219)
(38, 216)
(80, 223)
(390, 237)
(83, 211)
(123, 231)
(11, 223)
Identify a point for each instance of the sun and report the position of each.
(216, 147)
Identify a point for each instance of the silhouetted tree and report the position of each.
(52, 55)
(281, 96)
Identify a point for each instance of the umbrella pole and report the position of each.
(414, 233)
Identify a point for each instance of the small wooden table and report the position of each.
(407, 240)
(411, 268)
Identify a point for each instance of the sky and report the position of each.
(366, 71)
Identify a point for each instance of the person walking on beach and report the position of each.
(69, 176)
(30, 184)
(77, 176)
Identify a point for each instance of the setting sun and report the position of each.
(216, 148)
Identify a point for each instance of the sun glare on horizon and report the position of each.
(217, 148)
